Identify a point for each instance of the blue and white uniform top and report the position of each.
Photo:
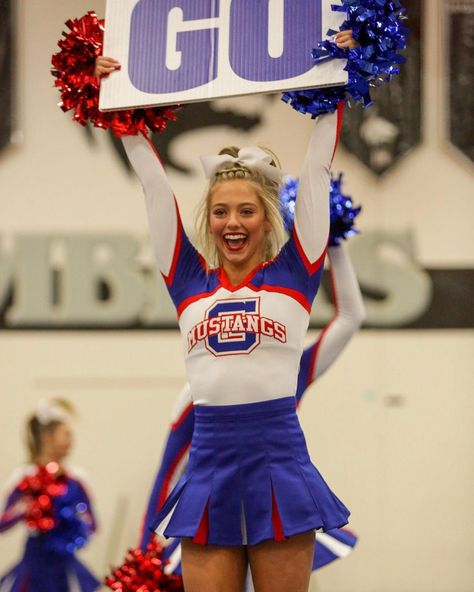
(316, 359)
(247, 337)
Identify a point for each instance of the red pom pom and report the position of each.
(73, 68)
(142, 571)
(39, 490)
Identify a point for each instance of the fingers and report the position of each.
(345, 40)
(105, 65)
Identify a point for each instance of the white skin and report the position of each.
(55, 445)
(238, 226)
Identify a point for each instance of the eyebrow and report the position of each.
(224, 205)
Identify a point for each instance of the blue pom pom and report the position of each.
(342, 211)
(71, 532)
(287, 202)
(377, 26)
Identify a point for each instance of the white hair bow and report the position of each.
(47, 411)
(251, 158)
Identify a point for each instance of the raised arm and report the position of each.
(162, 211)
(312, 206)
(349, 316)
(163, 215)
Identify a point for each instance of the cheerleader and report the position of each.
(55, 506)
(316, 359)
(250, 494)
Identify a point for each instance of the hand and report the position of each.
(104, 66)
(345, 40)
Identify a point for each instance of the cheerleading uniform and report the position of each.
(314, 362)
(243, 346)
(49, 563)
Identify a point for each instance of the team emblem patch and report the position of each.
(234, 327)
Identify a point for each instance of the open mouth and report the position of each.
(235, 242)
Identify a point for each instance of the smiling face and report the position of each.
(238, 224)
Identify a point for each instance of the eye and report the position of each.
(219, 212)
(248, 212)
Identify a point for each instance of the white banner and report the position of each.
(178, 51)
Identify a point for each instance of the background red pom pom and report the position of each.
(143, 571)
(39, 490)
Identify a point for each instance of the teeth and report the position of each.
(234, 236)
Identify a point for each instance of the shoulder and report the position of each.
(78, 474)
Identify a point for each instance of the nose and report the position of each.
(233, 221)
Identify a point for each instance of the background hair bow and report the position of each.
(48, 411)
(251, 157)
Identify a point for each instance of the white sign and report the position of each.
(177, 51)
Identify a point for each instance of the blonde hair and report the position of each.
(35, 427)
(268, 191)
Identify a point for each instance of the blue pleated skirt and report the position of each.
(249, 479)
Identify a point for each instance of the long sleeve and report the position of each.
(13, 512)
(349, 316)
(81, 480)
(163, 216)
(15, 505)
(177, 259)
(311, 227)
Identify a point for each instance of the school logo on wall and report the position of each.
(234, 327)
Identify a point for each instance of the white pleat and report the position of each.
(173, 561)
(335, 546)
(160, 529)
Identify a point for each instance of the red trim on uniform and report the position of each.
(315, 352)
(311, 268)
(225, 282)
(177, 248)
(202, 532)
(152, 146)
(276, 521)
(179, 227)
(184, 414)
(169, 475)
(295, 294)
(340, 117)
(298, 296)
(187, 301)
(314, 356)
(202, 261)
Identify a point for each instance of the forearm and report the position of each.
(13, 513)
(350, 311)
(312, 205)
(163, 217)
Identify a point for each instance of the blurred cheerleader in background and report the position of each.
(55, 506)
